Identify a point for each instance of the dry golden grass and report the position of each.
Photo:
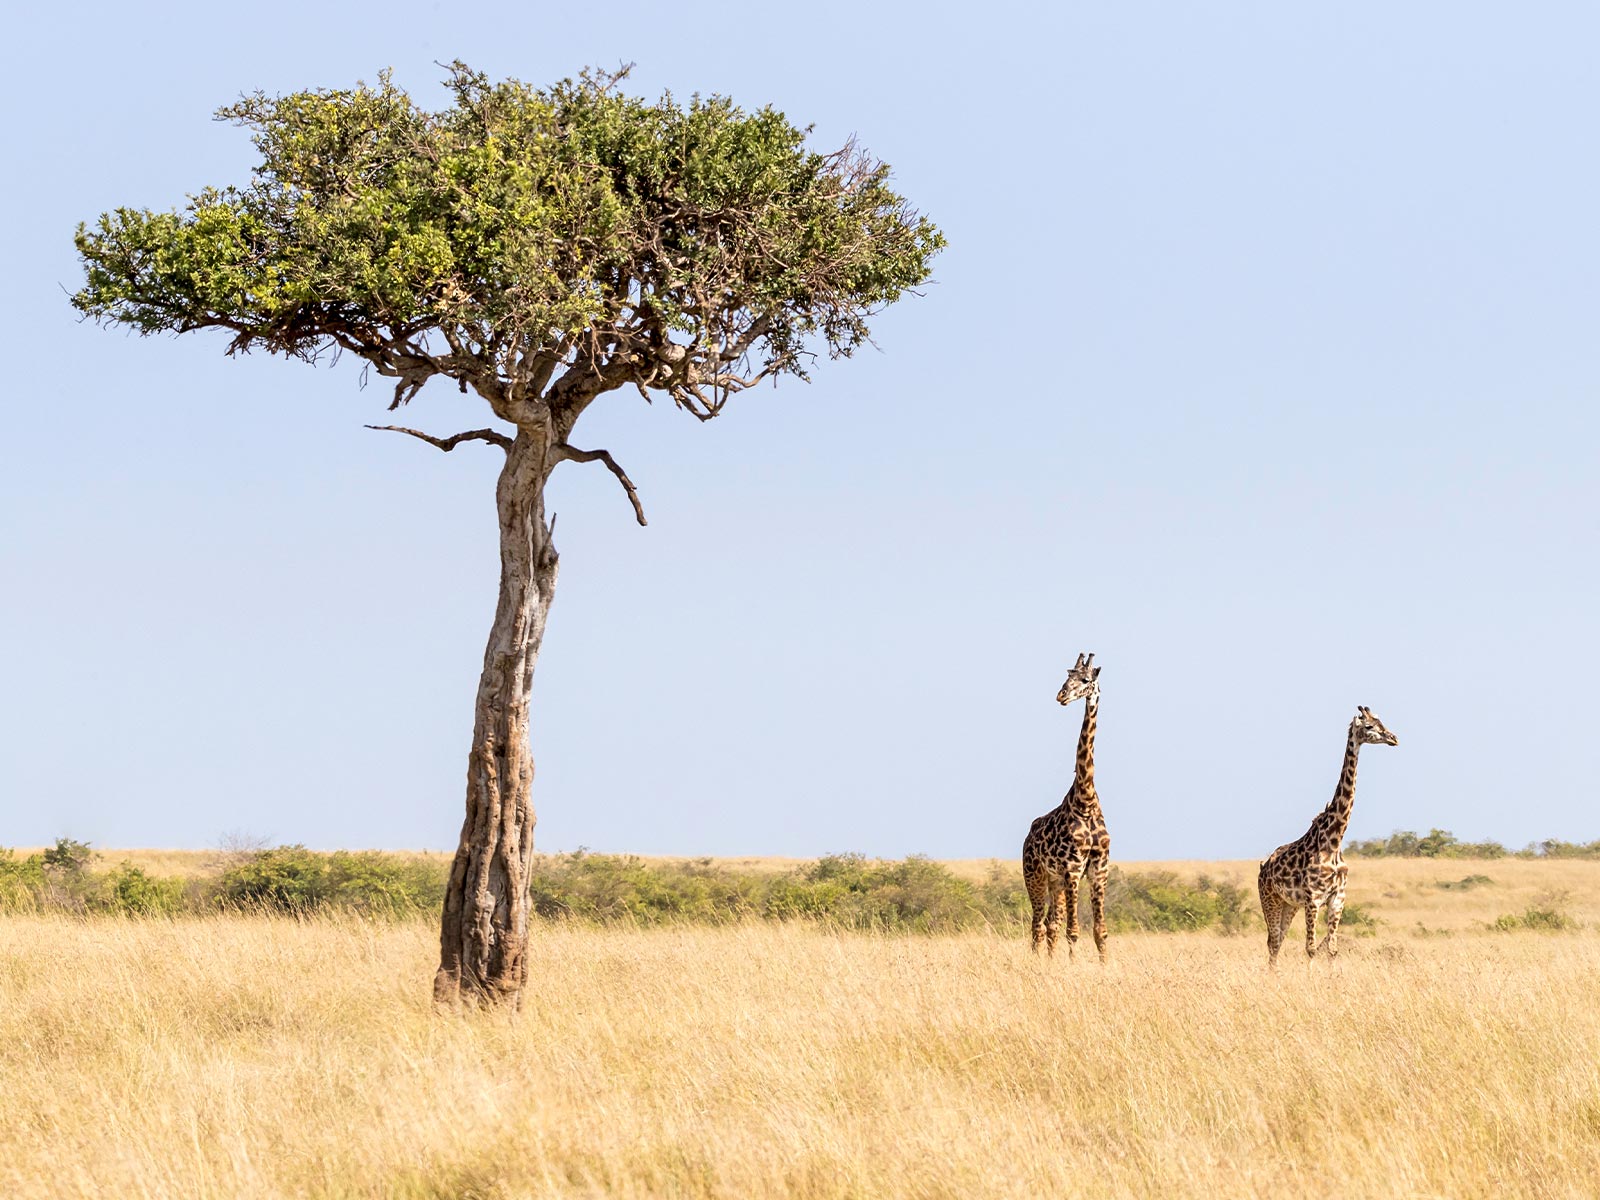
(250, 1057)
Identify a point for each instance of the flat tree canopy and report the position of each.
(541, 247)
(538, 245)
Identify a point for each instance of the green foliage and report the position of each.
(132, 892)
(1441, 843)
(60, 879)
(1356, 919)
(22, 881)
(68, 856)
(915, 894)
(1534, 917)
(384, 885)
(288, 879)
(1547, 914)
(846, 891)
(1555, 848)
(1437, 843)
(511, 223)
(292, 879)
(626, 888)
(1465, 884)
(1160, 902)
(851, 891)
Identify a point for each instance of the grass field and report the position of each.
(243, 1056)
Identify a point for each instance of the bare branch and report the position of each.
(450, 443)
(604, 456)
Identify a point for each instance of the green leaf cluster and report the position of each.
(517, 221)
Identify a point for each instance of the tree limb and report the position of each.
(604, 456)
(450, 443)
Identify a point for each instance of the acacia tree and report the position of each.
(541, 248)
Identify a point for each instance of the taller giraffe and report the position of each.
(1310, 872)
(1071, 839)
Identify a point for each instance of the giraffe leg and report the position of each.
(1271, 914)
(1071, 902)
(1098, 869)
(1038, 885)
(1052, 926)
(1272, 909)
(1335, 915)
(1311, 929)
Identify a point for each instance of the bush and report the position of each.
(288, 879)
(22, 881)
(624, 887)
(292, 879)
(1158, 901)
(1356, 920)
(384, 885)
(1465, 884)
(849, 891)
(1437, 843)
(68, 856)
(914, 894)
(1441, 843)
(129, 890)
(1555, 848)
(56, 878)
(1547, 914)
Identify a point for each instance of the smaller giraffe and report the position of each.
(1310, 872)
(1071, 840)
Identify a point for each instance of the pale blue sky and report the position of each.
(1263, 362)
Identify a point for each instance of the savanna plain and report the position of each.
(1452, 1050)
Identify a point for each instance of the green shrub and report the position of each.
(1465, 884)
(1436, 843)
(22, 881)
(1356, 920)
(56, 878)
(1441, 843)
(624, 887)
(384, 885)
(1534, 918)
(1158, 901)
(129, 890)
(1547, 914)
(68, 856)
(914, 894)
(295, 880)
(849, 891)
(288, 879)
(1555, 848)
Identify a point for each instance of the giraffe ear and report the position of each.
(1096, 674)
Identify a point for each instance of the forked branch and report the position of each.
(450, 443)
(604, 456)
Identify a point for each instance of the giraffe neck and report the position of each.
(1083, 781)
(1338, 810)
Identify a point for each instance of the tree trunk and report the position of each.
(483, 945)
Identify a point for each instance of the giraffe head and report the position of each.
(1083, 680)
(1371, 730)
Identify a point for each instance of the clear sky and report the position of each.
(1263, 363)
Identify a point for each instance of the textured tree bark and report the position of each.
(483, 945)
